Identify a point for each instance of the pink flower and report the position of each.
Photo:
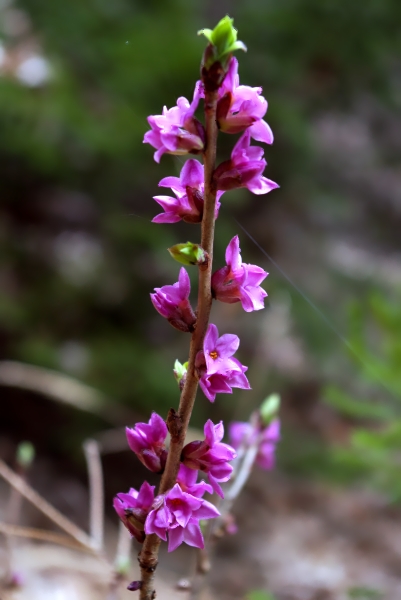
(176, 131)
(171, 301)
(211, 456)
(177, 515)
(189, 190)
(244, 169)
(238, 281)
(147, 441)
(186, 479)
(133, 508)
(217, 371)
(246, 433)
(240, 107)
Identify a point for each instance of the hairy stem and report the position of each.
(178, 421)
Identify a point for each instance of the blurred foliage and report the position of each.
(374, 451)
(364, 593)
(259, 595)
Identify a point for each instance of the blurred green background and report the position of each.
(79, 255)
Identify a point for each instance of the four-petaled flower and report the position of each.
(176, 131)
(244, 169)
(211, 456)
(147, 441)
(171, 301)
(238, 281)
(189, 189)
(266, 437)
(241, 107)
(177, 514)
(186, 479)
(218, 372)
(133, 508)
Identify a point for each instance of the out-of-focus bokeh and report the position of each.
(79, 257)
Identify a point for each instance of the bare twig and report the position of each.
(61, 388)
(149, 555)
(96, 492)
(45, 536)
(41, 504)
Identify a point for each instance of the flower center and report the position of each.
(213, 354)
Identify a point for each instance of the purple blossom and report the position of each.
(177, 514)
(240, 107)
(186, 479)
(176, 131)
(245, 433)
(171, 301)
(238, 281)
(211, 456)
(147, 441)
(244, 169)
(218, 373)
(133, 508)
(189, 189)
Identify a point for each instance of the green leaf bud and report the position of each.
(188, 254)
(269, 408)
(224, 41)
(25, 454)
(180, 371)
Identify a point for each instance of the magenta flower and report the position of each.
(245, 433)
(189, 190)
(186, 479)
(176, 131)
(133, 508)
(244, 169)
(177, 514)
(240, 107)
(219, 350)
(238, 281)
(218, 372)
(171, 301)
(211, 456)
(147, 441)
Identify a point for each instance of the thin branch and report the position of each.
(41, 504)
(123, 547)
(96, 492)
(45, 536)
(61, 388)
(178, 421)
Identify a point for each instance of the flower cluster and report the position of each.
(175, 515)
(266, 437)
(240, 108)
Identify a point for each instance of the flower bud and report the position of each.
(134, 586)
(188, 254)
(269, 408)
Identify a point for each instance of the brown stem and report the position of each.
(41, 504)
(150, 549)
